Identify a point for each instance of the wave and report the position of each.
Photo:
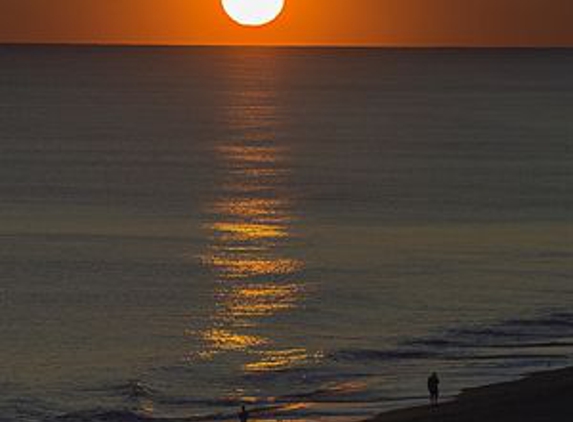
(506, 357)
(102, 416)
(134, 389)
(545, 331)
(548, 336)
(380, 355)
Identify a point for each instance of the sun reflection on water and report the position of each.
(279, 359)
(249, 226)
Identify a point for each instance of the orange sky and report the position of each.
(332, 22)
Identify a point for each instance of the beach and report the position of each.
(543, 396)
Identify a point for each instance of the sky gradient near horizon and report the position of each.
(304, 22)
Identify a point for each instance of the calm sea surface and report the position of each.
(307, 231)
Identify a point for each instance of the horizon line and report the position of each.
(277, 46)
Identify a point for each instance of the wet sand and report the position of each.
(541, 397)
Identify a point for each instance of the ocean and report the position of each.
(309, 232)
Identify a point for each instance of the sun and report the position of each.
(253, 12)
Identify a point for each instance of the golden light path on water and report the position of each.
(249, 225)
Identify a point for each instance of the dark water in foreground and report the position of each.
(309, 231)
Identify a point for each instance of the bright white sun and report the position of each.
(253, 12)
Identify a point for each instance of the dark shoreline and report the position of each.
(539, 397)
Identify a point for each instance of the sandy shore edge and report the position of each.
(539, 397)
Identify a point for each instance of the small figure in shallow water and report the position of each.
(243, 415)
(434, 388)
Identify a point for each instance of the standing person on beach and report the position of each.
(434, 388)
(243, 415)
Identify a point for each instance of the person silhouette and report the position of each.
(434, 388)
(243, 415)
